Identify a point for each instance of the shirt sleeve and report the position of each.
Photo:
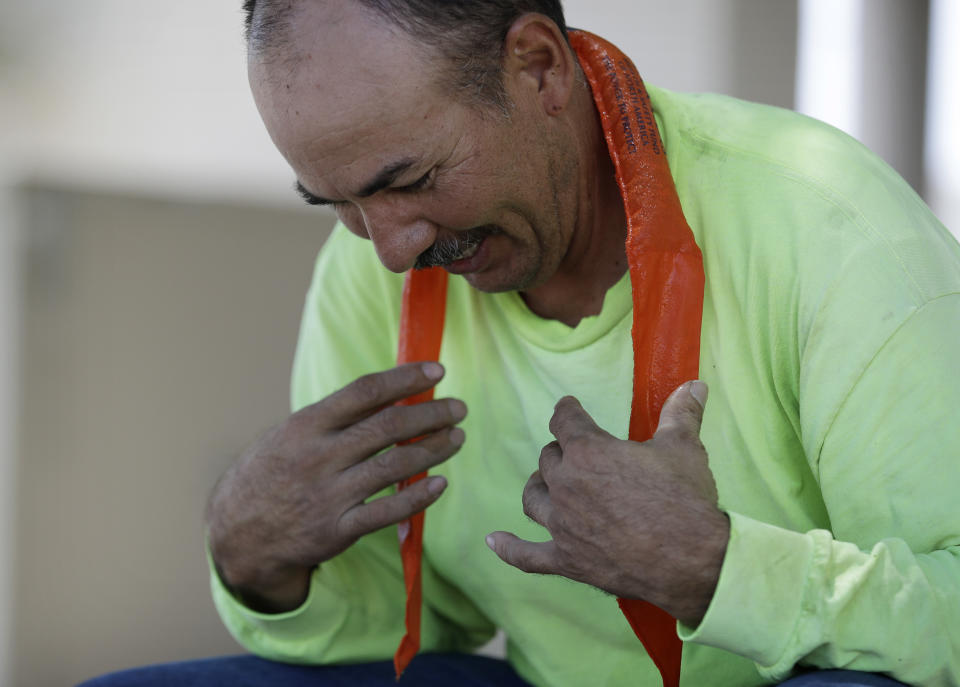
(354, 610)
(880, 591)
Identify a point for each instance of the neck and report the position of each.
(596, 256)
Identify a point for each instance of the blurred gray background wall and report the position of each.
(153, 261)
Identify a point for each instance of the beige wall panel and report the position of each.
(157, 342)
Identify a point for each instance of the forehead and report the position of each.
(347, 90)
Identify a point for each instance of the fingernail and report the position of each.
(432, 370)
(437, 484)
(458, 409)
(489, 540)
(457, 436)
(699, 391)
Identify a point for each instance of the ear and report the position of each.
(537, 57)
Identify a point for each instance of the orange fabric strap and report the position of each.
(666, 273)
(422, 310)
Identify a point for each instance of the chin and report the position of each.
(498, 283)
(483, 282)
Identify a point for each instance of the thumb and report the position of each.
(571, 420)
(682, 412)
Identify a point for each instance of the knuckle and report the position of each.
(363, 434)
(300, 427)
(382, 464)
(528, 563)
(350, 525)
(679, 436)
(688, 415)
(525, 565)
(534, 480)
(298, 421)
(432, 451)
(417, 497)
(548, 455)
(580, 444)
(366, 519)
(368, 389)
(508, 551)
(564, 493)
(526, 503)
(555, 423)
(420, 453)
(391, 421)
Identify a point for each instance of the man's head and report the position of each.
(412, 141)
(469, 35)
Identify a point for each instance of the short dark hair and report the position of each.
(469, 33)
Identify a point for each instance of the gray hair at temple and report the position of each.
(468, 33)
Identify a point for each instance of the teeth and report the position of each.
(468, 252)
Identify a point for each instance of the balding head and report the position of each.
(364, 113)
(468, 35)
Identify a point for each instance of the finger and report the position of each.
(394, 424)
(550, 458)
(366, 395)
(370, 476)
(528, 556)
(536, 499)
(365, 518)
(682, 413)
(571, 421)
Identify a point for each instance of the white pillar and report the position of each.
(862, 67)
(829, 56)
(942, 149)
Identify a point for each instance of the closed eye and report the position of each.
(417, 185)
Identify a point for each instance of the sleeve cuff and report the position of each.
(282, 635)
(760, 594)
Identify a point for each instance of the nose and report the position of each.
(398, 230)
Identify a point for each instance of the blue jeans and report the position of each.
(426, 670)
(840, 678)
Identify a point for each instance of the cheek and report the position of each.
(464, 206)
(352, 219)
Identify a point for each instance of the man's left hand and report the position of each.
(638, 520)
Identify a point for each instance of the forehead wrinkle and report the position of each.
(335, 151)
(366, 149)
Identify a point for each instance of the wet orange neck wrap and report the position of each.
(666, 273)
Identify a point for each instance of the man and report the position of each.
(816, 525)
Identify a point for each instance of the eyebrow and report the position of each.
(382, 180)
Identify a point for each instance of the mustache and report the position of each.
(452, 249)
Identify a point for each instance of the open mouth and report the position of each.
(468, 251)
(456, 249)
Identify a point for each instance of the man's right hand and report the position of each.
(298, 496)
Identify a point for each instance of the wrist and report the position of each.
(247, 572)
(266, 591)
(703, 565)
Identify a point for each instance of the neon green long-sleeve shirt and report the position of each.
(831, 328)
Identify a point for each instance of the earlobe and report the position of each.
(538, 58)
